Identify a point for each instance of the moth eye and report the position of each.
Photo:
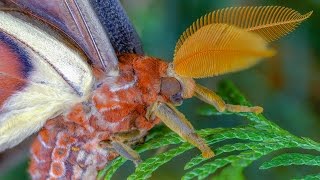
(171, 89)
(177, 98)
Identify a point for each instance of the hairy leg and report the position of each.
(177, 122)
(126, 152)
(212, 98)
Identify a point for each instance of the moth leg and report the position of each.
(129, 136)
(177, 122)
(212, 98)
(150, 111)
(126, 151)
(119, 143)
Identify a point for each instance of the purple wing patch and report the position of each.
(15, 66)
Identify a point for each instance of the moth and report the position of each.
(75, 72)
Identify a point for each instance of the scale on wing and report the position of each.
(77, 20)
(40, 78)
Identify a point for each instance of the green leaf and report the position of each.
(111, 168)
(145, 169)
(292, 159)
(241, 134)
(226, 148)
(242, 160)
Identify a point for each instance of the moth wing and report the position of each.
(77, 20)
(121, 32)
(40, 78)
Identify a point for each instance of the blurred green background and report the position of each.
(287, 86)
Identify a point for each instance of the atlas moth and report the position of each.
(75, 72)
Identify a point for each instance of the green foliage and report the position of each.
(292, 159)
(242, 146)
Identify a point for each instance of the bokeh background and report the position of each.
(287, 86)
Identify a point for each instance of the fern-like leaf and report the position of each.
(242, 160)
(224, 149)
(292, 159)
(270, 22)
(217, 49)
(145, 169)
(111, 168)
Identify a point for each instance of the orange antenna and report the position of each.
(270, 22)
(227, 40)
(219, 48)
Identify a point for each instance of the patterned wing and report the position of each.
(78, 20)
(40, 77)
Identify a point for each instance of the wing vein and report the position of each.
(45, 59)
(92, 42)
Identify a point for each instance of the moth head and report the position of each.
(176, 88)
